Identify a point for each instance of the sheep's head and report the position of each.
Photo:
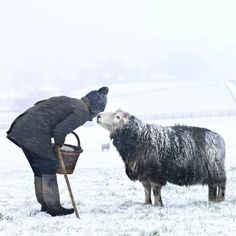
(112, 121)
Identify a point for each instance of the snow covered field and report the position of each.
(109, 203)
(147, 98)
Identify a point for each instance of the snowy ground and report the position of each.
(109, 203)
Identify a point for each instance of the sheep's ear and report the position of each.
(126, 115)
(103, 90)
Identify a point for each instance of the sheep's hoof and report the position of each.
(147, 202)
(159, 204)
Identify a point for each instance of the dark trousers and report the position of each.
(39, 164)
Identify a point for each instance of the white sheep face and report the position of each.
(112, 121)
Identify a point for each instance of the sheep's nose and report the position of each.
(98, 116)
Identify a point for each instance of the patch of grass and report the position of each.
(5, 217)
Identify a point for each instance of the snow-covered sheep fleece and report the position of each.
(154, 155)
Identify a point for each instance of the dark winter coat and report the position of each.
(51, 118)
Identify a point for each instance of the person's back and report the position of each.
(50, 112)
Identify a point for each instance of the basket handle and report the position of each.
(77, 137)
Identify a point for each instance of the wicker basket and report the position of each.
(70, 157)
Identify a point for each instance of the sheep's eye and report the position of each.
(118, 117)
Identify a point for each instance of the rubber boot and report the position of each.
(52, 198)
(39, 192)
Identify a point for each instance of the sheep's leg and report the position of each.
(221, 193)
(147, 190)
(157, 195)
(212, 192)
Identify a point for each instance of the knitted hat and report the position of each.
(96, 100)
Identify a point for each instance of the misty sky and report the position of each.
(47, 40)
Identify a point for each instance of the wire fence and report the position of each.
(164, 116)
(190, 114)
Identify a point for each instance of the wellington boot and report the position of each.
(39, 192)
(52, 198)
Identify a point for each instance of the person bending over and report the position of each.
(52, 118)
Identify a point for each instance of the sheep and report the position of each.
(155, 155)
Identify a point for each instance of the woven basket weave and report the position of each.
(70, 157)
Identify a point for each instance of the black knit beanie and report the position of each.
(96, 100)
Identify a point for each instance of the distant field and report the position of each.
(163, 100)
(154, 98)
